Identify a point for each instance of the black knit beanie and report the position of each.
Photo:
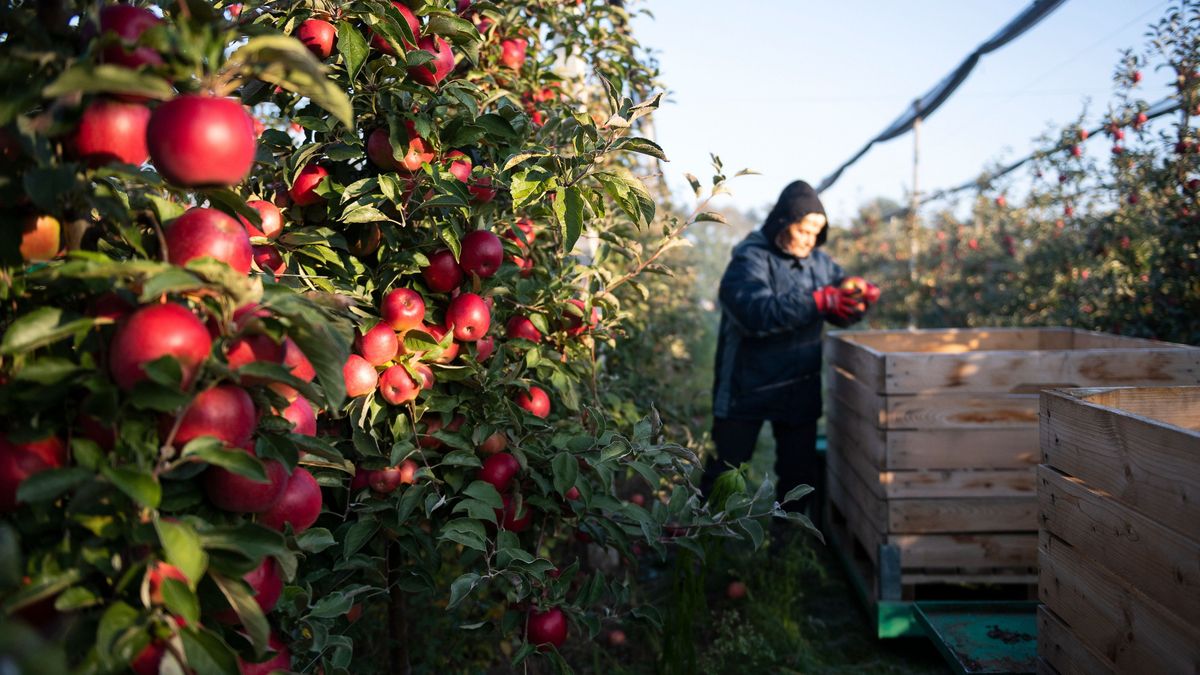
(797, 200)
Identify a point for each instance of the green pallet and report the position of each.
(892, 618)
(982, 637)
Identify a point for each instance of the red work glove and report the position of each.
(839, 306)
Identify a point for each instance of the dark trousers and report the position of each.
(796, 459)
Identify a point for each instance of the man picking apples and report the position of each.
(775, 296)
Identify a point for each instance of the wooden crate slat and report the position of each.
(854, 395)
(1161, 562)
(865, 491)
(962, 449)
(1177, 406)
(972, 550)
(1020, 577)
(949, 341)
(986, 514)
(864, 362)
(1032, 371)
(1151, 468)
(959, 483)
(857, 522)
(1059, 647)
(961, 411)
(848, 431)
(1111, 617)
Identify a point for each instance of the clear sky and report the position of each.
(792, 88)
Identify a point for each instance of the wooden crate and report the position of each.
(1119, 530)
(933, 440)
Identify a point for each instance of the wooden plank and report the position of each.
(1090, 339)
(1158, 561)
(1062, 650)
(1031, 371)
(1177, 406)
(960, 411)
(961, 448)
(1016, 578)
(947, 340)
(854, 395)
(976, 551)
(918, 516)
(867, 497)
(1151, 468)
(958, 483)
(857, 522)
(864, 363)
(1056, 338)
(849, 431)
(1115, 620)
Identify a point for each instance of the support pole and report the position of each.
(914, 202)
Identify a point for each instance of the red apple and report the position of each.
(499, 470)
(526, 230)
(424, 377)
(443, 273)
(269, 214)
(157, 573)
(201, 141)
(149, 660)
(572, 494)
(482, 253)
(427, 439)
(298, 364)
(411, 19)
(239, 494)
(535, 401)
(224, 412)
(384, 481)
(112, 131)
(19, 461)
(268, 259)
(318, 35)
(482, 190)
(300, 504)
(266, 584)
(403, 309)
(497, 442)
(302, 416)
(469, 317)
(484, 348)
(209, 233)
(379, 345)
(417, 152)
(460, 165)
(280, 662)
(433, 72)
(736, 590)
(153, 332)
(360, 376)
(304, 189)
(548, 627)
(509, 519)
(128, 23)
(638, 499)
(41, 238)
(512, 53)
(379, 150)
(521, 327)
(396, 386)
(574, 324)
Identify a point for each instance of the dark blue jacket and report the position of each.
(769, 348)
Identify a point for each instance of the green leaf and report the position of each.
(644, 146)
(629, 193)
(48, 187)
(332, 606)
(45, 486)
(465, 531)
(461, 587)
(250, 540)
(213, 451)
(755, 531)
(352, 46)
(207, 653)
(140, 485)
(172, 280)
(497, 126)
(315, 540)
(711, 216)
(797, 492)
(183, 548)
(566, 472)
(568, 207)
(287, 63)
(360, 533)
(461, 458)
(181, 600)
(88, 78)
(484, 492)
(247, 608)
(48, 370)
(42, 326)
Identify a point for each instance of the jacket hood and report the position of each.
(796, 201)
